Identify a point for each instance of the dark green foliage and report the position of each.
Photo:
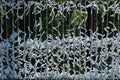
(105, 17)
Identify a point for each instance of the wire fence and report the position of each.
(48, 39)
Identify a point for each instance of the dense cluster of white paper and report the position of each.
(36, 59)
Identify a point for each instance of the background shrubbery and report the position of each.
(70, 19)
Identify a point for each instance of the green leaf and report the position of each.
(60, 1)
(1, 11)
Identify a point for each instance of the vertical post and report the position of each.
(90, 27)
(91, 20)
